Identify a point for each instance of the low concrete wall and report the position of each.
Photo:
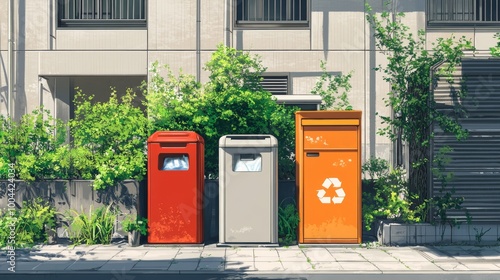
(395, 234)
(130, 196)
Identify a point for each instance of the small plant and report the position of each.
(495, 51)
(446, 200)
(480, 234)
(96, 227)
(31, 223)
(389, 198)
(288, 221)
(333, 90)
(140, 224)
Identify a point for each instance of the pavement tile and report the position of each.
(129, 255)
(187, 255)
(152, 265)
(269, 265)
(159, 255)
(240, 265)
(118, 265)
(326, 265)
(296, 265)
(318, 255)
(184, 265)
(452, 266)
(292, 255)
(24, 266)
(213, 253)
(427, 265)
(99, 255)
(358, 266)
(211, 265)
(407, 255)
(376, 255)
(240, 254)
(354, 257)
(481, 266)
(436, 255)
(398, 266)
(266, 254)
(86, 265)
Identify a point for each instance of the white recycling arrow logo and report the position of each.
(339, 191)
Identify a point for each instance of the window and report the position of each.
(102, 13)
(463, 12)
(272, 13)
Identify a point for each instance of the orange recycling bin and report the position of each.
(328, 157)
(175, 187)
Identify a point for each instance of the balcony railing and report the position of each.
(272, 12)
(463, 12)
(102, 13)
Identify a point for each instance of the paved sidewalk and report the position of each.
(293, 259)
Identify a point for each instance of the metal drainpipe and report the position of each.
(198, 39)
(10, 94)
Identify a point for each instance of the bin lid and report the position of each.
(248, 140)
(175, 136)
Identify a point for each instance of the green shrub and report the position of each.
(232, 102)
(96, 227)
(288, 222)
(31, 223)
(389, 199)
(34, 145)
(109, 140)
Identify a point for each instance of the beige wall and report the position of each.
(338, 34)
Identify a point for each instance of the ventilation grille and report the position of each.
(277, 85)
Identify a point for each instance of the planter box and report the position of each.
(79, 195)
(396, 234)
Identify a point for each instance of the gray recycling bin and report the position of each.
(248, 190)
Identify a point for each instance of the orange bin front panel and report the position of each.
(329, 176)
(175, 187)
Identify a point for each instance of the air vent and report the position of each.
(277, 85)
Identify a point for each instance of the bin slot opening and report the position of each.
(249, 137)
(247, 163)
(173, 145)
(170, 162)
(312, 154)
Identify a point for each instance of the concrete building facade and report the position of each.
(50, 47)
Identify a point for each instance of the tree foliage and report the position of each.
(232, 102)
(408, 71)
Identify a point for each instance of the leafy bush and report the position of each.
(96, 227)
(109, 140)
(389, 198)
(31, 223)
(232, 102)
(288, 222)
(34, 145)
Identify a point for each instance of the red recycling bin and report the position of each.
(175, 187)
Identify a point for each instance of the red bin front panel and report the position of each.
(175, 188)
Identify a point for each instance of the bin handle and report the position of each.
(312, 154)
(173, 144)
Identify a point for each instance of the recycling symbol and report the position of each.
(335, 182)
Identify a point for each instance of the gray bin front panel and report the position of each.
(248, 198)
